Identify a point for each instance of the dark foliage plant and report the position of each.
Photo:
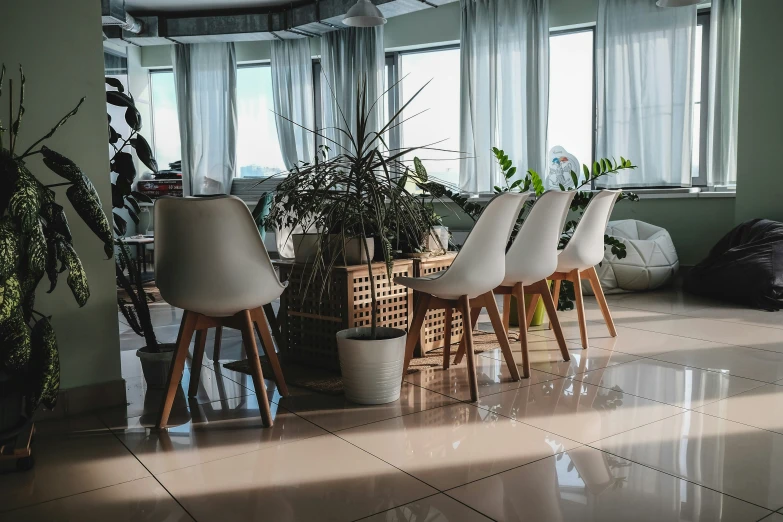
(134, 304)
(35, 240)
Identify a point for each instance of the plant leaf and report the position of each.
(116, 83)
(144, 152)
(25, 201)
(10, 298)
(87, 204)
(9, 248)
(77, 278)
(15, 344)
(44, 369)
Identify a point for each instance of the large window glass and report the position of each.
(438, 104)
(258, 149)
(571, 94)
(165, 124)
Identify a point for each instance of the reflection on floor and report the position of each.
(677, 418)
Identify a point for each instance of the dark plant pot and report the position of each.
(156, 365)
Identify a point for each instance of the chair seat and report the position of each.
(435, 286)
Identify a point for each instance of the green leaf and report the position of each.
(575, 179)
(9, 248)
(119, 99)
(15, 344)
(596, 168)
(18, 121)
(421, 172)
(562, 187)
(586, 172)
(61, 165)
(44, 369)
(10, 297)
(511, 172)
(141, 197)
(538, 185)
(77, 278)
(116, 83)
(498, 189)
(133, 118)
(604, 166)
(36, 249)
(25, 201)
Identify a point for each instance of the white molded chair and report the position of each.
(585, 250)
(212, 263)
(530, 260)
(478, 268)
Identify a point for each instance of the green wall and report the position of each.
(759, 177)
(60, 46)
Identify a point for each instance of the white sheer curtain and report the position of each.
(644, 90)
(350, 57)
(504, 88)
(292, 89)
(205, 76)
(723, 99)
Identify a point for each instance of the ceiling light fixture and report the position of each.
(677, 3)
(364, 14)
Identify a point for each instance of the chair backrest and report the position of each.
(209, 256)
(481, 263)
(586, 247)
(533, 255)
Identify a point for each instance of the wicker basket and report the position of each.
(432, 333)
(312, 317)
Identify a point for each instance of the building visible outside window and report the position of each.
(165, 123)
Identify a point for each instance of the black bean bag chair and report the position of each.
(744, 267)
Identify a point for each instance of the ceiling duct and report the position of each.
(113, 14)
(301, 21)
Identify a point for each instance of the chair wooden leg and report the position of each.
(555, 295)
(186, 328)
(195, 365)
(474, 315)
(576, 279)
(262, 328)
(501, 333)
(249, 340)
(216, 349)
(414, 331)
(472, 379)
(531, 308)
(519, 294)
(551, 311)
(595, 283)
(506, 311)
(447, 338)
(274, 324)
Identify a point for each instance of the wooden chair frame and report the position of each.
(465, 305)
(536, 290)
(244, 321)
(576, 276)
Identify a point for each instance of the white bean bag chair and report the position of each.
(650, 263)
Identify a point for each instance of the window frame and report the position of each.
(152, 103)
(703, 19)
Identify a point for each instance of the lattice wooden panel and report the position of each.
(312, 317)
(433, 331)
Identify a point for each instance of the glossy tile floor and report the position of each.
(680, 417)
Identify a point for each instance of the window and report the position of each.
(434, 114)
(165, 123)
(700, 89)
(258, 149)
(571, 93)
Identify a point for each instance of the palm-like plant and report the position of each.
(360, 192)
(35, 240)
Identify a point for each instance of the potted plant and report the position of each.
(155, 357)
(346, 199)
(532, 181)
(35, 240)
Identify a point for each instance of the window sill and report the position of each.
(658, 193)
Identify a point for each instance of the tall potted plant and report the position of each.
(134, 302)
(359, 193)
(35, 240)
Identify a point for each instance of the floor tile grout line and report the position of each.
(681, 478)
(700, 317)
(424, 498)
(148, 470)
(71, 495)
(456, 401)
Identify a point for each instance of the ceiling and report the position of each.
(203, 5)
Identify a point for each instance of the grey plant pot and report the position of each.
(155, 366)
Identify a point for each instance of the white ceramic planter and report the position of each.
(354, 253)
(372, 370)
(305, 246)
